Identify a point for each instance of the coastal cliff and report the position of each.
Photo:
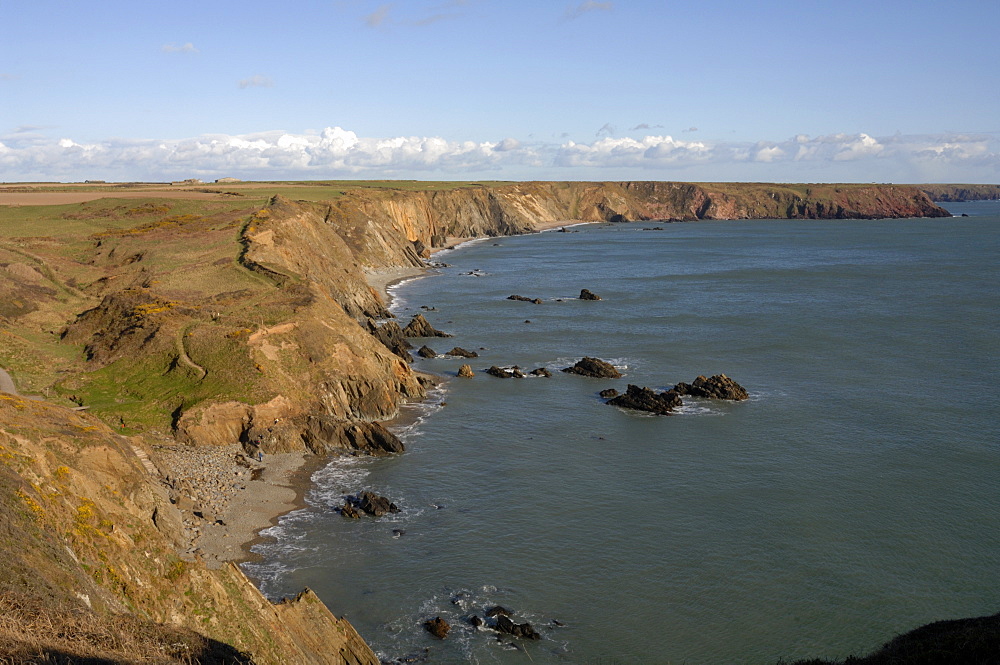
(91, 545)
(952, 193)
(244, 329)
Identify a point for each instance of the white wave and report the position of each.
(343, 475)
(699, 408)
(396, 302)
(415, 413)
(465, 243)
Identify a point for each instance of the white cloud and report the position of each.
(858, 147)
(767, 153)
(187, 47)
(7, 77)
(340, 152)
(588, 6)
(256, 81)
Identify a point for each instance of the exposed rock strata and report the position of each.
(420, 327)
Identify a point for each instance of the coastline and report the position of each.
(287, 477)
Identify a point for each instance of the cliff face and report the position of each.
(380, 227)
(88, 529)
(951, 193)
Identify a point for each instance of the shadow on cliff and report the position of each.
(35, 632)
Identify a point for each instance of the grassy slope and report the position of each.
(184, 252)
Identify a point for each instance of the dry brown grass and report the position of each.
(33, 633)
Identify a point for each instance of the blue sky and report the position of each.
(483, 89)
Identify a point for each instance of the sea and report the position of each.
(853, 497)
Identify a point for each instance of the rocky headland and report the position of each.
(190, 357)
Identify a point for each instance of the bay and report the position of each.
(853, 497)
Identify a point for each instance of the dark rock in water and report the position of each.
(437, 627)
(719, 386)
(426, 352)
(326, 434)
(506, 625)
(541, 371)
(950, 642)
(537, 301)
(465, 371)
(348, 510)
(516, 372)
(497, 610)
(373, 504)
(587, 294)
(608, 393)
(475, 621)
(391, 335)
(644, 399)
(421, 656)
(462, 353)
(419, 327)
(396, 533)
(594, 367)
(499, 372)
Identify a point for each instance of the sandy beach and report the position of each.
(239, 496)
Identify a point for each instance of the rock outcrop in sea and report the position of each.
(594, 367)
(420, 327)
(719, 386)
(645, 399)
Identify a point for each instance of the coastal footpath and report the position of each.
(192, 355)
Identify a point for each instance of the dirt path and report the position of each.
(7, 383)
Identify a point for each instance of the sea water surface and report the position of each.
(856, 495)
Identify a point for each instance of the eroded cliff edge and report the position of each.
(223, 325)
